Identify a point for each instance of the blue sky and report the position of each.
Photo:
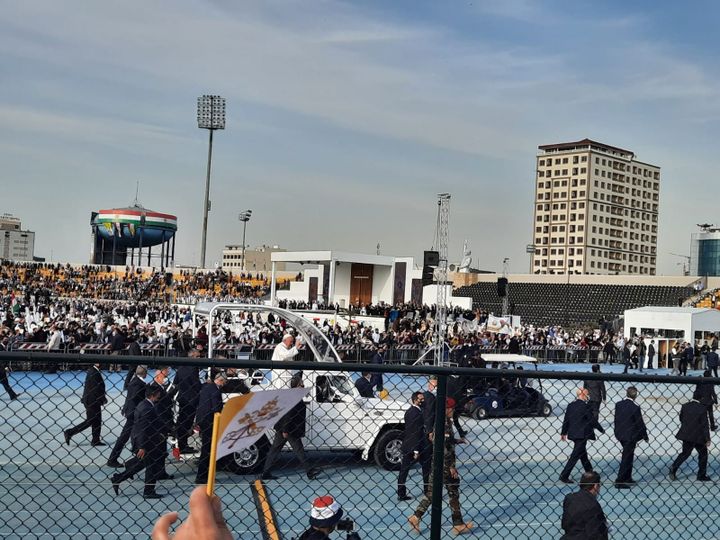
(346, 119)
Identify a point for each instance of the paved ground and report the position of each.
(509, 475)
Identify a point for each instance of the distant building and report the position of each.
(705, 252)
(15, 243)
(256, 260)
(596, 210)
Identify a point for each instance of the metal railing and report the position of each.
(509, 468)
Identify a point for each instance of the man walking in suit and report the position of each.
(93, 398)
(148, 445)
(187, 382)
(688, 355)
(579, 426)
(695, 434)
(413, 446)
(583, 517)
(429, 413)
(629, 430)
(209, 403)
(290, 429)
(651, 353)
(705, 392)
(713, 360)
(596, 393)
(135, 395)
(627, 356)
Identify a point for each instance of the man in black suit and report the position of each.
(651, 353)
(713, 360)
(135, 395)
(583, 517)
(148, 445)
(290, 429)
(364, 386)
(187, 382)
(707, 396)
(695, 434)
(629, 430)
(429, 412)
(596, 393)
(414, 445)
(687, 357)
(579, 426)
(93, 398)
(209, 403)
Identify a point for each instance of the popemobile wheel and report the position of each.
(248, 460)
(388, 450)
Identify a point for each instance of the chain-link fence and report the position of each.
(55, 483)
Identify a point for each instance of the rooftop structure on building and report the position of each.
(16, 244)
(596, 210)
(256, 260)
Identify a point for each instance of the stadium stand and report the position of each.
(572, 305)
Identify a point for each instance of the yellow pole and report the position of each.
(213, 455)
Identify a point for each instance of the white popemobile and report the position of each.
(338, 419)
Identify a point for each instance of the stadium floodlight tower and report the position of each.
(441, 277)
(244, 217)
(210, 116)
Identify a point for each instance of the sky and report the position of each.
(346, 119)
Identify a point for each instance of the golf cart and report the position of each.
(511, 396)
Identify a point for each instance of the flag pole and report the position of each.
(213, 455)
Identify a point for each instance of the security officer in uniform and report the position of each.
(148, 445)
(135, 395)
(451, 479)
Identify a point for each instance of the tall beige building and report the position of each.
(596, 210)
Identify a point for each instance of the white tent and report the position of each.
(670, 325)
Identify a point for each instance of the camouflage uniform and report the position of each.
(452, 485)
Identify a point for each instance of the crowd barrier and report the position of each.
(509, 467)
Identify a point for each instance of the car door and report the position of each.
(335, 419)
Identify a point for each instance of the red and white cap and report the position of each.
(325, 512)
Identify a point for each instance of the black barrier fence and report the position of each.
(510, 457)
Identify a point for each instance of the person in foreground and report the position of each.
(325, 514)
(451, 479)
(204, 522)
(583, 517)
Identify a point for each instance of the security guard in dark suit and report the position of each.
(583, 517)
(135, 395)
(364, 386)
(93, 398)
(695, 434)
(164, 408)
(597, 393)
(629, 430)
(708, 397)
(209, 403)
(187, 382)
(579, 426)
(414, 445)
(148, 445)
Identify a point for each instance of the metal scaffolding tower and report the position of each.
(506, 298)
(441, 277)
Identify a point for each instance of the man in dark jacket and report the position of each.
(429, 412)
(713, 360)
(695, 434)
(596, 393)
(413, 446)
(583, 517)
(651, 353)
(629, 430)
(707, 396)
(364, 386)
(209, 403)
(579, 426)
(688, 356)
(376, 379)
(135, 395)
(290, 429)
(627, 356)
(187, 382)
(93, 398)
(148, 445)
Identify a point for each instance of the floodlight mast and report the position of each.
(441, 277)
(210, 116)
(244, 217)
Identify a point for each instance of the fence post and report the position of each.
(438, 458)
